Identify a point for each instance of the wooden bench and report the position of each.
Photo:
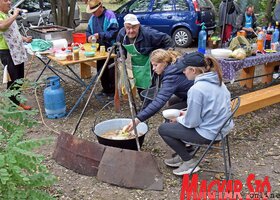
(261, 98)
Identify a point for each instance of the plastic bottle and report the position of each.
(93, 44)
(268, 38)
(264, 35)
(274, 41)
(275, 35)
(202, 36)
(260, 41)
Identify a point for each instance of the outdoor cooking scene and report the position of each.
(135, 99)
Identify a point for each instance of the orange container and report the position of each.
(79, 38)
(259, 45)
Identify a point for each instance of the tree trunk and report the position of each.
(71, 13)
(268, 11)
(54, 13)
(63, 12)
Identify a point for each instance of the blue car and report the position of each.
(181, 19)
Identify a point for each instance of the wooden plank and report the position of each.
(85, 70)
(259, 99)
(247, 73)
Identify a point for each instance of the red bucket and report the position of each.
(79, 38)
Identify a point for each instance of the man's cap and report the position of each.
(93, 5)
(131, 19)
(194, 59)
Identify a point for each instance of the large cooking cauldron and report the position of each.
(118, 124)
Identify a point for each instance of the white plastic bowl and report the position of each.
(221, 53)
(171, 113)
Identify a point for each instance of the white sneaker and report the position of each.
(186, 168)
(276, 75)
(175, 161)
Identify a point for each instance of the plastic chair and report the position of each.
(235, 103)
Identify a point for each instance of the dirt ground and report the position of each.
(255, 146)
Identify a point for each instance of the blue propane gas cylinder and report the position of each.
(202, 36)
(54, 99)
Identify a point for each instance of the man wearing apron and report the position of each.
(139, 41)
(12, 52)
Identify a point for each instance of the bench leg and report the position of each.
(247, 73)
(269, 68)
(85, 71)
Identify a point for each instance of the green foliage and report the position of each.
(22, 173)
(216, 4)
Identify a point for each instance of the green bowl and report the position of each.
(89, 54)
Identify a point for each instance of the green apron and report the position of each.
(141, 67)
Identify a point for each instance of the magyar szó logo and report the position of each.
(228, 190)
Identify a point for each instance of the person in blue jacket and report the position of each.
(139, 41)
(173, 85)
(103, 27)
(209, 105)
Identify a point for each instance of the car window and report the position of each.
(140, 6)
(162, 5)
(34, 6)
(181, 5)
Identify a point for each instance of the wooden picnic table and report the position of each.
(85, 62)
(230, 67)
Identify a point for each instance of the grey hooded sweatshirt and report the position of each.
(208, 106)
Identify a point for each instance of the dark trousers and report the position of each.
(174, 134)
(108, 77)
(176, 103)
(15, 71)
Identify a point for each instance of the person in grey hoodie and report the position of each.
(209, 105)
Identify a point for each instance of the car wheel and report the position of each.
(182, 37)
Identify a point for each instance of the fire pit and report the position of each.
(51, 32)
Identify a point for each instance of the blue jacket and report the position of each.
(106, 25)
(173, 81)
(148, 40)
(208, 106)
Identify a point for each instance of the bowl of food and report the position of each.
(221, 53)
(89, 53)
(112, 133)
(171, 113)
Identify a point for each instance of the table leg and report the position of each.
(85, 70)
(45, 67)
(82, 95)
(247, 73)
(268, 69)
